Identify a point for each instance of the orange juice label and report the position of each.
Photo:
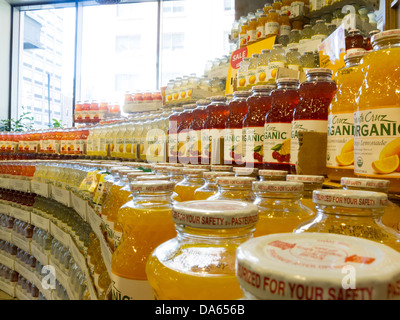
(241, 79)
(233, 145)
(340, 145)
(253, 143)
(271, 28)
(377, 142)
(128, 289)
(284, 30)
(277, 142)
(251, 36)
(304, 125)
(260, 32)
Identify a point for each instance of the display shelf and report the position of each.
(370, 5)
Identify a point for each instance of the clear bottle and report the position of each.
(146, 222)
(200, 262)
(306, 34)
(276, 60)
(262, 67)
(354, 213)
(242, 74)
(294, 38)
(307, 61)
(251, 77)
(311, 183)
(391, 216)
(320, 31)
(272, 175)
(320, 259)
(209, 188)
(279, 207)
(293, 58)
(234, 188)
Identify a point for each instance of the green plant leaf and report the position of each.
(277, 147)
(257, 149)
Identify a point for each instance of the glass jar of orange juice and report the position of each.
(391, 216)
(311, 183)
(209, 188)
(354, 213)
(193, 179)
(243, 34)
(252, 31)
(279, 206)
(272, 175)
(146, 222)
(234, 188)
(260, 29)
(277, 5)
(376, 129)
(315, 266)
(199, 264)
(272, 24)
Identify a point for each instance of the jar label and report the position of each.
(340, 147)
(284, 30)
(273, 68)
(304, 125)
(321, 37)
(271, 28)
(262, 72)
(233, 146)
(241, 79)
(128, 289)
(260, 32)
(184, 144)
(277, 142)
(253, 142)
(377, 142)
(251, 36)
(195, 143)
(211, 151)
(251, 78)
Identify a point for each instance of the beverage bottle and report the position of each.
(354, 213)
(94, 112)
(311, 183)
(78, 112)
(186, 267)
(272, 24)
(294, 38)
(276, 60)
(320, 31)
(213, 130)
(258, 104)
(243, 34)
(199, 115)
(340, 145)
(64, 141)
(234, 188)
(260, 29)
(209, 188)
(71, 136)
(119, 150)
(149, 138)
(193, 179)
(86, 111)
(354, 41)
(251, 76)
(234, 128)
(391, 215)
(103, 110)
(186, 119)
(293, 58)
(262, 67)
(252, 31)
(174, 122)
(268, 258)
(311, 114)
(278, 125)
(103, 137)
(146, 222)
(376, 114)
(242, 74)
(111, 140)
(306, 34)
(307, 61)
(128, 149)
(277, 5)
(272, 175)
(267, 7)
(285, 26)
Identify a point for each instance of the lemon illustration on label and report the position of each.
(386, 165)
(346, 156)
(262, 76)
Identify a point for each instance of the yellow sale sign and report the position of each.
(237, 57)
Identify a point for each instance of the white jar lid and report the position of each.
(198, 166)
(153, 177)
(290, 266)
(272, 173)
(134, 175)
(350, 198)
(365, 183)
(214, 174)
(235, 181)
(151, 186)
(193, 171)
(278, 186)
(243, 171)
(220, 167)
(305, 178)
(215, 214)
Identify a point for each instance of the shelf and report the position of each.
(370, 5)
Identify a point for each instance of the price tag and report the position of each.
(79, 205)
(7, 261)
(60, 235)
(4, 208)
(40, 188)
(106, 253)
(61, 195)
(4, 183)
(39, 254)
(20, 185)
(40, 222)
(77, 255)
(5, 235)
(20, 214)
(94, 221)
(22, 243)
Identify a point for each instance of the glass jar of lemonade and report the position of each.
(146, 222)
(354, 213)
(376, 145)
(210, 187)
(272, 175)
(314, 266)
(193, 179)
(234, 188)
(279, 206)
(199, 263)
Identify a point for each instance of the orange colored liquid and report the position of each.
(185, 192)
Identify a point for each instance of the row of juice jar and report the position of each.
(276, 205)
(94, 111)
(148, 250)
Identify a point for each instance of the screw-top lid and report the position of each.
(235, 181)
(152, 177)
(317, 71)
(243, 171)
(354, 53)
(203, 102)
(116, 169)
(176, 170)
(278, 186)
(218, 98)
(305, 178)
(242, 93)
(217, 167)
(350, 198)
(363, 183)
(214, 174)
(272, 173)
(288, 80)
(134, 175)
(290, 266)
(151, 186)
(198, 166)
(264, 87)
(215, 214)
(193, 171)
(189, 106)
(386, 34)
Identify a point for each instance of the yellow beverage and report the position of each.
(101, 149)
(234, 188)
(184, 190)
(186, 268)
(146, 223)
(377, 116)
(340, 148)
(209, 188)
(279, 207)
